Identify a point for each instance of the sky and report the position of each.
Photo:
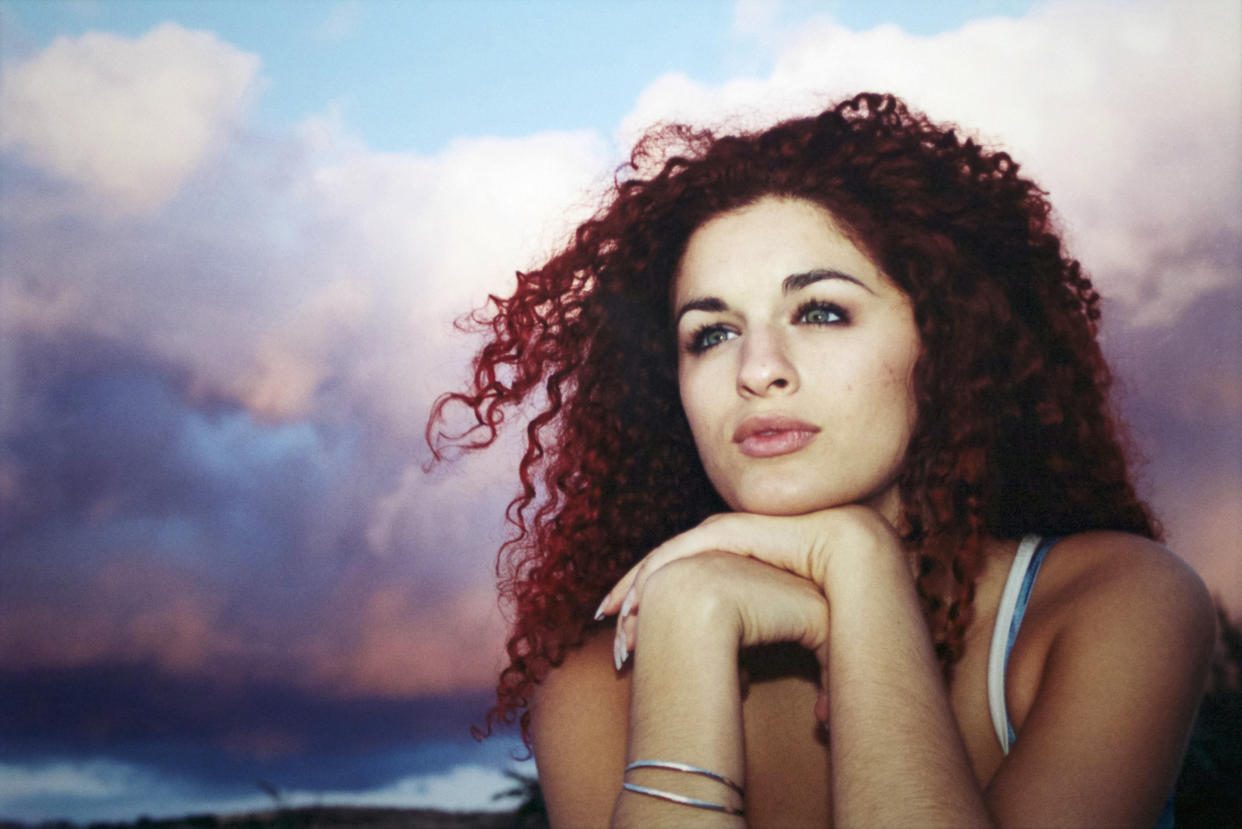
(234, 237)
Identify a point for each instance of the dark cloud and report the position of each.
(142, 522)
(228, 732)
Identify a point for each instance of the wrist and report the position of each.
(870, 565)
(680, 611)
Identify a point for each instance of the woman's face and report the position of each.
(794, 360)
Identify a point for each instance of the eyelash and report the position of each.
(696, 342)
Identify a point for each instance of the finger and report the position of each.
(821, 699)
(615, 598)
(737, 533)
(707, 536)
(777, 540)
(620, 648)
(622, 597)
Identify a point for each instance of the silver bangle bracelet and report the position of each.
(684, 767)
(682, 799)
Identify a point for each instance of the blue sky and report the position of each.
(414, 75)
(235, 236)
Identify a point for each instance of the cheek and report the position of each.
(898, 376)
(699, 395)
(702, 402)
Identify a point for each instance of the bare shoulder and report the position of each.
(1112, 666)
(1099, 576)
(579, 722)
(1105, 598)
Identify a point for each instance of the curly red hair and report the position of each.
(1013, 433)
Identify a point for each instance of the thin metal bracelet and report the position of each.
(682, 800)
(687, 768)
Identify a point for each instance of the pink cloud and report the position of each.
(407, 646)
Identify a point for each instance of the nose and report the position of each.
(765, 366)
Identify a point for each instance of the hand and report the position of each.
(802, 545)
(799, 544)
(715, 602)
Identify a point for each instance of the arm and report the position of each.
(1112, 701)
(679, 702)
(686, 707)
(1129, 648)
(686, 703)
(899, 759)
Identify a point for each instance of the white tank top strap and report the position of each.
(998, 653)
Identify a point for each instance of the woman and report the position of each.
(803, 397)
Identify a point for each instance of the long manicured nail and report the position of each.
(619, 650)
(627, 603)
(599, 611)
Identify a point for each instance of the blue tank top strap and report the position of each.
(1009, 614)
(1019, 610)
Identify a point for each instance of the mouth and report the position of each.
(768, 436)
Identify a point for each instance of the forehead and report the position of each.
(762, 243)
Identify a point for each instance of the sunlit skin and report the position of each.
(780, 315)
(795, 362)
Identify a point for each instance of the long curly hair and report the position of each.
(1013, 431)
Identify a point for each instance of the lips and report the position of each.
(768, 436)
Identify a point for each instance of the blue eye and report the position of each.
(822, 313)
(709, 336)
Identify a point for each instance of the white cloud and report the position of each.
(76, 779)
(424, 240)
(125, 120)
(104, 789)
(461, 788)
(1129, 114)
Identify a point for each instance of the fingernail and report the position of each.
(627, 603)
(599, 611)
(619, 650)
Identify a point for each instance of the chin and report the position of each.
(775, 501)
(778, 497)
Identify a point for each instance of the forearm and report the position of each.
(898, 757)
(685, 707)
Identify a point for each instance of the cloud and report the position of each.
(109, 743)
(91, 779)
(461, 788)
(406, 646)
(233, 391)
(126, 121)
(214, 396)
(1128, 114)
(106, 789)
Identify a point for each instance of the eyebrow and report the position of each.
(798, 281)
(790, 284)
